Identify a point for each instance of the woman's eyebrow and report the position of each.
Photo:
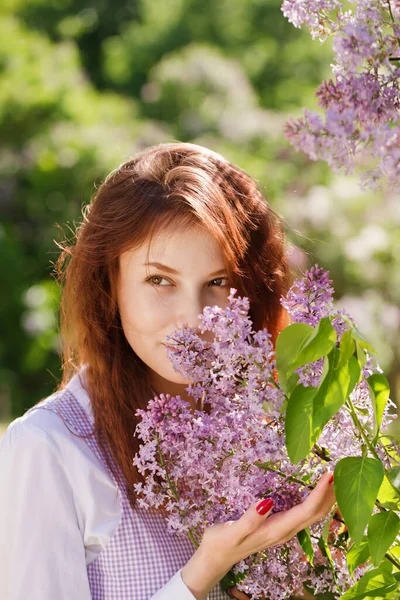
(174, 272)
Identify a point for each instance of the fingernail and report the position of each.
(264, 506)
(330, 481)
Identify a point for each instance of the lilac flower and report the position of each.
(340, 322)
(361, 102)
(310, 298)
(311, 13)
(310, 374)
(208, 466)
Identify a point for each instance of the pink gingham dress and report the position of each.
(142, 556)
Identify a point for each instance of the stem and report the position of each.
(357, 423)
(192, 538)
(390, 11)
(163, 465)
(335, 517)
(221, 462)
(275, 384)
(174, 491)
(393, 21)
(287, 477)
(387, 555)
(392, 560)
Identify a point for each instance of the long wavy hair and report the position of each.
(163, 187)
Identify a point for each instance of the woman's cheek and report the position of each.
(150, 315)
(157, 312)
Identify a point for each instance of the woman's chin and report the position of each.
(174, 378)
(178, 379)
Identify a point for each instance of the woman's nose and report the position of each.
(189, 310)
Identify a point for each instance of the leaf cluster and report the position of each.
(367, 486)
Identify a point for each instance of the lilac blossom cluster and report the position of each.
(209, 465)
(309, 300)
(361, 124)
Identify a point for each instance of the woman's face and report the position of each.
(154, 301)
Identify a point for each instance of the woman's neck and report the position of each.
(163, 386)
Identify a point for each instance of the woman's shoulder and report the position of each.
(43, 422)
(35, 426)
(42, 440)
(44, 466)
(48, 433)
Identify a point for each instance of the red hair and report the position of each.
(165, 185)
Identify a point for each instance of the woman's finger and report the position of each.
(322, 498)
(256, 530)
(282, 526)
(253, 518)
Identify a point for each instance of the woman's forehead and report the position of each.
(177, 246)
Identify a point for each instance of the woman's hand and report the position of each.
(225, 544)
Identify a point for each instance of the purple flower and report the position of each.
(310, 299)
(310, 375)
(205, 467)
(361, 102)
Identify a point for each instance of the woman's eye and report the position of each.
(220, 279)
(158, 278)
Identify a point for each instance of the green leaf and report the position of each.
(319, 343)
(288, 344)
(305, 542)
(358, 555)
(394, 478)
(298, 422)
(395, 553)
(379, 391)
(231, 579)
(386, 565)
(333, 391)
(388, 497)
(382, 531)
(373, 583)
(323, 546)
(357, 482)
(292, 381)
(361, 341)
(321, 596)
(391, 447)
(361, 355)
(346, 348)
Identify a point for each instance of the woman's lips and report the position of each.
(170, 347)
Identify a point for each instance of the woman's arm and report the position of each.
(42, 555)
(225, 544)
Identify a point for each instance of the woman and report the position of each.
(166, 234)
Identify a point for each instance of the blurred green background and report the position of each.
(84, 88)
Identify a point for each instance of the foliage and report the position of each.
(366, 482)
(84, 88)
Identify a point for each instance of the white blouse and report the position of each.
(51, 523)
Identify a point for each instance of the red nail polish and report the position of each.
(264, 506)
(330, 479)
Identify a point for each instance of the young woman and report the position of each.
(166, 234)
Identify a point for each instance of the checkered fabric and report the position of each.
(142, 555)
